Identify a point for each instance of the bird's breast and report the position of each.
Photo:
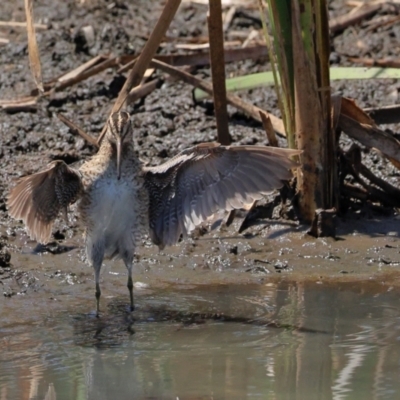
(113, 208)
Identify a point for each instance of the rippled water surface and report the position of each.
(279, 341)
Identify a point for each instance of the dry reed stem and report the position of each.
(82, 68)
(203, 58)
(359, 126)
(340, 23)
(142, 63)
(34, 57)
(76, 130)
(142, 90)
(228, 17)
(86, 74)
(24, 104)
(216, 37)
(389, 195)
(21, 100)
(16, 24)
(233, 100)
(92, 67)
(371, 136)
(269, 129)
(388, 62)
(385, 186)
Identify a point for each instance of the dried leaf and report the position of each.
(350, 109)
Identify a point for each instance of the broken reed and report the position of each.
(301, 53)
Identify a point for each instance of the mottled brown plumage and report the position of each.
(120, 200)
(38, 198)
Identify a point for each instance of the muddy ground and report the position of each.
(166, 122)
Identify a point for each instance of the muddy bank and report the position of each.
(272, 252)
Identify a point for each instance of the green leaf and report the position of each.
(263, 79)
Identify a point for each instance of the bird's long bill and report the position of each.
(119, 149)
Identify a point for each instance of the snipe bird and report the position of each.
(120, 199)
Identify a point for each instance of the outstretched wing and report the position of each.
(37, 199)
(192, 186)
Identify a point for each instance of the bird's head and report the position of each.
(119, 132)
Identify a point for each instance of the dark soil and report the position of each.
(167, 120)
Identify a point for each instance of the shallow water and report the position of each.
(280, 340)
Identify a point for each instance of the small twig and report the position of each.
(235, 101)
(229, 17)
(203, 58)
(24, 104)
(371, 62)
(385, 22)
(251, 36)
(127, 66)
(15, 24)
(76, 130)
(87, 74)
(65, 76)
(21, 100)
(141, 91)
(340, 23)
(203, 46)
(82, 68)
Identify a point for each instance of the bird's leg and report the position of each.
(98, 294)
(97, 255)
(128, 260)
(130, 288)
(98, 291)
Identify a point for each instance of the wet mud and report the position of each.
(167, 121)
(268, 254)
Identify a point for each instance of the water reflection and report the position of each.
(280, 341)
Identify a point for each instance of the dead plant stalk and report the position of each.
(34, 57)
